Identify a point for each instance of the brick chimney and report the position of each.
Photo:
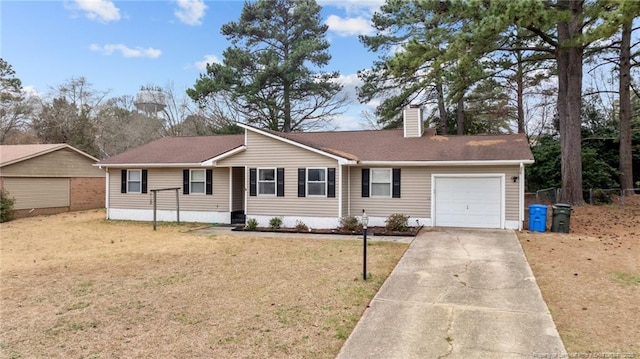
(412, 121)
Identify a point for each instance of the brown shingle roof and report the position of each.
(377, 145)
(174, 150)
(10, 154)
(390, 145)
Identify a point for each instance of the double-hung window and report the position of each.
(197, 181)
(380, 182)
(316, 181)
(134, 181)
(267, 181)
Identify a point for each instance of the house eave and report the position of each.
(447, 163)
(147, 165)
(212, 161)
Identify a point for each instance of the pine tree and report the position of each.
(272, 69)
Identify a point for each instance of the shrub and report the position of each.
(350, 223)
(252, 224)
(301, 227)
(601, 197)
(397, 222)
(275, 223)
(6, 206)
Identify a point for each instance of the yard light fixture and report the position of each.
(365, 222)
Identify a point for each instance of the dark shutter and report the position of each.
(253, 182)
(123, 181)
(396, 183)
(331, 182)
(365, 182)
(209, 183)
(185, 181)
(144, 181)
(280, 182)
(302, 182)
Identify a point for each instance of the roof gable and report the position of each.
(11, 154)
(280, 136)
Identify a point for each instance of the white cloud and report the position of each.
(30, 91)
(349, 26)
(100, 10)
(126, 51)
(190, 12)
(354, 6)
(208, 59)
(349, 84)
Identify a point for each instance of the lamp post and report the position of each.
(365, 222)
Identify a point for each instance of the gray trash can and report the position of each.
(561, 217)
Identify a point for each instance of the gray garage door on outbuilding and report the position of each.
(474, 201)
(38, 192)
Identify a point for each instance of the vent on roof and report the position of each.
(412, 121)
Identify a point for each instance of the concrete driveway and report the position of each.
(458, 294)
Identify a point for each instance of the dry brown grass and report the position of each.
(590, 278)
(75, 285)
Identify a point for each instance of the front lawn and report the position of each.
(76, 285)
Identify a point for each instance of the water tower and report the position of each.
(150, 100)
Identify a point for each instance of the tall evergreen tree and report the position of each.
(477, 30)
(272, 70)
(14, 109)
(625, 54)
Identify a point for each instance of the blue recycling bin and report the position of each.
(537, 217)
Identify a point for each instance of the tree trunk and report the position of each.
(520, 92)
(286, 127)
(569, 58)
(626, 159)
(460, 116)
(442, 111)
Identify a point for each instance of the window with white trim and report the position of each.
(197, 181)
(316, 181)
(267, 181)
(134, 181)
(380, 182)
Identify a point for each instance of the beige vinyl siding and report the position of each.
(60, 163)
(511, 188)
(266, 152)
(416, 191)
(38, 192)
(413, 201)
(166, 178)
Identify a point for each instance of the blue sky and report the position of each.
(122, 45)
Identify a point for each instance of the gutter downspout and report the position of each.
(521, 195)
(106, 193)
(349, 191)
(230, 193)
(340, 194)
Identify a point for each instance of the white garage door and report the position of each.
(468, 202)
